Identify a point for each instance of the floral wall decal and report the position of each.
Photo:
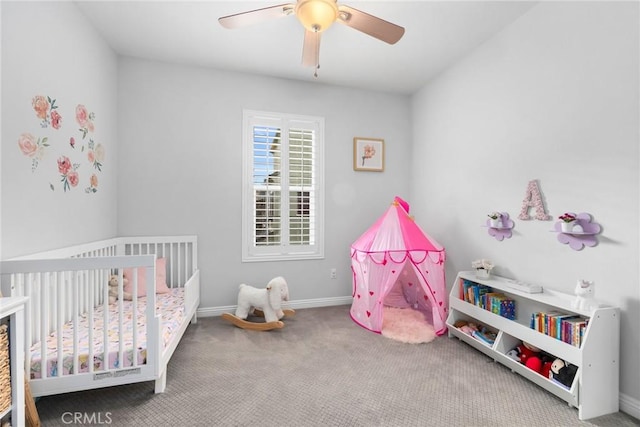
(69, 160)
(93, 184)
(32, 148)
(45, 109)
(69, 175)
(85, 120)
(95, 154)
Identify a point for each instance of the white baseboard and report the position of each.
(630, 406)
(307, 303)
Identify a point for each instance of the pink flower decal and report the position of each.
(93, 184)
(68, 172)
(82, 116)
(28, 144)
(72, 177)
(85, 120)
(45, 110)
(32, 148)
(95, 154)
(64, 164)
(41, 106)
(56, 119)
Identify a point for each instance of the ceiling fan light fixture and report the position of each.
(317, 15)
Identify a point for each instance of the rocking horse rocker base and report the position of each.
(257, 326)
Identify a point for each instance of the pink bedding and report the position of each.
(170, 305)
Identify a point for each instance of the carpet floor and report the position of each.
(322, 369)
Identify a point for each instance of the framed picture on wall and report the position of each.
(368, 154)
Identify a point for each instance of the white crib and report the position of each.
(68, 291)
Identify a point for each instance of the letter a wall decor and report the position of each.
(533, 198)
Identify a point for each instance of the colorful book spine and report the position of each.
(508, 309)
(568, 328)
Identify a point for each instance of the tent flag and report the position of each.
(395, 249)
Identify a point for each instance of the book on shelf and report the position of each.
(484, 297)
(574, 330)
(485, 335)
(566, 327)
(508, 308)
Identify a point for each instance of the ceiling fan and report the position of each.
(316, 16)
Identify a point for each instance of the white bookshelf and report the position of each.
(595, 388)
(12, 308)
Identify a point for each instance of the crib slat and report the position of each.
(59, 323)
(121, 317)
(92, 296)
(76, 307)
(171, 262)
(44, 316)
(134, 301)
(105, 330)
(180, 252)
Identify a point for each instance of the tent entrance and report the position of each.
(407, 291)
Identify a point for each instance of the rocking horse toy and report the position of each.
(265, 303)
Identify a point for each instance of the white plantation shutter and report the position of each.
(282, 186)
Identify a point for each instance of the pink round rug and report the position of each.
(406, 325)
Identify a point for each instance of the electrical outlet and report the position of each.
(333, 274)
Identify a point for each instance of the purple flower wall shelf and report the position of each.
(583, 233)
(503, 230)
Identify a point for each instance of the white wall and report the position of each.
(49, 49)
(553, 97)
(180, 168)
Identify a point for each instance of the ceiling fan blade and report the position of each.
(251, 17)
(369, 24)
(311, 49)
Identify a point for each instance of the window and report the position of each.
(283, 194)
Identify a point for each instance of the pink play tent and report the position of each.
(395, 263)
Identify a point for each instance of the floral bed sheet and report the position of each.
(170, 305)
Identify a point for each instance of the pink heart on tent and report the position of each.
(410, 284)
(358, 295)
(441, 303)
(368, 313)
(371, 293)
(393, 272)
(425, 297)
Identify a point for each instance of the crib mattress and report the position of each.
(170, 305)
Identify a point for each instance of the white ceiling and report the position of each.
(187, 32)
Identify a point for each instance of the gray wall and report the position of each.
(553, 97)
(49, 49)
(180, 133)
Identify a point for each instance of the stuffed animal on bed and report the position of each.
(269, 299)
(113, 289)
